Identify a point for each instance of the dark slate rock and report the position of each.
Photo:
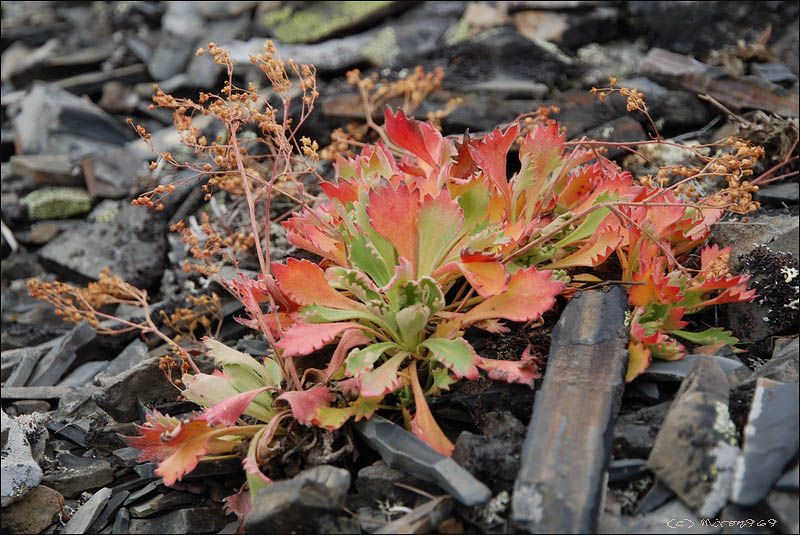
(677, 370)
(110, 510)
(24, 367)
(53, 365)
(657, 496)
(790, 480)
(404, 451)
(84, 373)
(122, 522)
(559, 488)
(127, 456)
(88, 512)
(784, 506)
(203, 470)
(20, 472)
(119, 392)
(193, 520)
(784, 364)
(775, 73)
(645, 390)
(626, 469)
(695, 452)
(778, 194)
(297, 504)
(142, 492)
(744, 237)
(132, 355)
(111, 174)
(770, 441)
(73, 481)
(79, 255)
(54, 121)
(377, 482)
(161, 502)
(493, 457)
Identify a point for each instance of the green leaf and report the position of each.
(243, 379)
(590, 222)
(255, 478)
(439, 226)
(206, 390)
(432, 294)
(353, 280)
(363, 359)
(321, 314)
(365, 256)
(225, 355)
(456, 354)
(411, 321)
(441, 381)
(381, 244)
(475, 203)
(708, 337)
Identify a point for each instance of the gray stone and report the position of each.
(377, 482)
(193, 520)
(122, 522)
(674, 517)
(783, 193)
(423, 519)
(785, 506)
(567, 447)
(770, 441)
(790, 480)
(84, 373)
(742, 237)
(126, 457)
(655, 498)
(49, 169)
(182, 25)
(88, 512)
(161, 502)
(24, 368)
(677, 370)
(20, 473)
(35, 392)
(118, 393)
(80, 254)
(30, 406)
(695, 451)
(54, 121)
(296, 504)
(53, 365)
(201, 71)
(112, 174)
(33, 514)
(775, 73)
(404, 451)
(142, 492)
(111, 508)
(73, 481)
(132, 355)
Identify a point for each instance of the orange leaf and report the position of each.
(304, 338)
(304, 282)
(488, 278)
(422, 424)
(594, 252)
(530, 293)
(638, 360)
(393, 215)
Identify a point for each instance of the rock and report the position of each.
(111, 174)
(119, 393)
(192, 520)
(146, 490)
(321, 20)
(748, 92)
(122, 522)
(30, 406)
(790, 480)
(785, 193)
(738, 519)
(80, 254)
(47, 169)
(84, 373)
(655, 497)
(665, 66)
(404, 451)
(24, 367)
(73, 481)
(132, 355)
(770, 441)
(626, 469)
(54, 121)
(111, 508)
(585, 368)
(181, 25)
(784, 506)
(784, 364)
(774, 310)
(52, 366)
(619, 130)
(87, 513)
(296, 504)
(127, 456)
(161, 502)
(377, 482)
(423, 519)
(494, 457)
(743, 238)
(674, 517)
(678, 370)
(774, 72)
(695, 451)
(20, 472)
(34, 513)
(57, 203)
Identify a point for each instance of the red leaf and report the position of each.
(488, 278)
(305, 403)
(522, 371)
(349, 340)
(418, 138)
(343, 191)
(490, 155)
(227, 411)
(304, 338)
(393, 215)
(304, 282)
(530, 293)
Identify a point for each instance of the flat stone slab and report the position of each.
(88, 512)
(568, 444)
(404, 451)
(770, 441)
(677, 370)
(696, 449)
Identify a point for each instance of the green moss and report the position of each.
(320, 20)
(383, 49)
(57, 203)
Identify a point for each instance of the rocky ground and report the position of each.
(695, 445)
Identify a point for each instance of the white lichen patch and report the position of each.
(490, 511)
(789, 273)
